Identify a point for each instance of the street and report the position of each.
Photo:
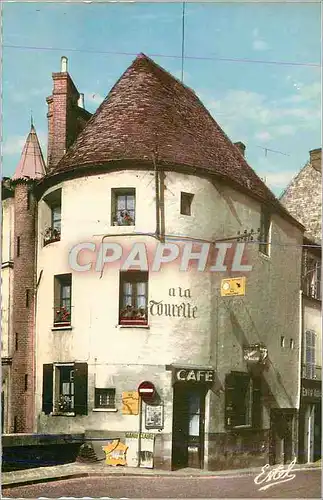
(306, 484)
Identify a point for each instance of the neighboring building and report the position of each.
(152, 163)
(303, 199)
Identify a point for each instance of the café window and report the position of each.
(133, 298)
(105, 398)
(62, 299)
(123, 202)
(65, 389)
(52, 230)
(242, 400)
(310, 338)
(186, 203)
(264, 234)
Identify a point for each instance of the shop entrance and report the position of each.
(2, 412)
(317, 432)
(188, 425)
(281, 436)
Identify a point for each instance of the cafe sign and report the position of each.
(311, 389)
(193, 375)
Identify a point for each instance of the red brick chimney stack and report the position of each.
(65, 117)
(241, 147)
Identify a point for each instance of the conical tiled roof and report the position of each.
(149, 110)
(31, 164)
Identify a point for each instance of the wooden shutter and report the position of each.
(80, 388)
(48, 388)
(229, 401)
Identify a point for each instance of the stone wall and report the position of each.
(303, 197)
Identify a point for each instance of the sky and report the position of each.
(255, 66)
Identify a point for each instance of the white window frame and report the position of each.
(56, 383)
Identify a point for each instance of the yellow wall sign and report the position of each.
(233, 286)
(130, 403)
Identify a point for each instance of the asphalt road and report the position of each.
(306, 484)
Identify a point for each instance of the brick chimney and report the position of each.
(65, 117)
(316, 159)
(241, 147)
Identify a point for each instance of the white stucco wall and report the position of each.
(222, 325)
(7, 248)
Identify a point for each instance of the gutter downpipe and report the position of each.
(301, 322)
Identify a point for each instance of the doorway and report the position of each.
(188, 425)
(281, 437)
(317, 432)
(2, 412)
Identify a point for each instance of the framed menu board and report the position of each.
(154, 416)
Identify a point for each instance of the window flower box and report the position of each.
(64, 404)
(51, 235)
(62, 316)
(133, 316)
(123, 219)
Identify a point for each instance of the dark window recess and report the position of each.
(16, 341)
(18, 246)
(62, 299)
(105, 398)
(28, 200)
(133, 298)
(53, 232)
(26, 382)
(15, 425)
(71, 389)
(186, 203)
(264, 231)
(27, 297)
(123, 206)
(242, 400)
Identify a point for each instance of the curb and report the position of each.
(76, 475)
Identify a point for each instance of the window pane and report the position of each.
(141, 288)
(141, 301)
(194, 425)
(121, 202)
(65, 388)
(66, 291)
(127, 288)
(130, 202)
(56, 212)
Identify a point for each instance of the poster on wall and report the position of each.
(154, 417)
(130, 403)
(147, 444)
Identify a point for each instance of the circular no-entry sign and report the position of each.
(147, 391)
